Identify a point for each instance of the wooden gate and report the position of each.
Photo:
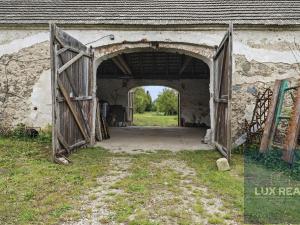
(72, 96)
(222, 94)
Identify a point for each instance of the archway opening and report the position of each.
(156, 106)
(117, 76)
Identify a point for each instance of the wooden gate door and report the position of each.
(222, 94)
(72, 95)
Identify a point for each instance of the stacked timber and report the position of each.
(102, 132)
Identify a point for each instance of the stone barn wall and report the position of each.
(260, 57)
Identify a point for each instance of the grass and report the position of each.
(154, 119)
(33, 190)
(269, 171)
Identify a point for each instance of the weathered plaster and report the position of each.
(40, 102)
(19, 73)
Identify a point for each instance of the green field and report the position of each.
(154, 119)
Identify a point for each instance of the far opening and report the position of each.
(123, 79)
(153, 106)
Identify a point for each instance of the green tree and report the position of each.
(149, 103)
(167, 102)
(141, 100)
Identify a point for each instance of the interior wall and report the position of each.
(194, 95)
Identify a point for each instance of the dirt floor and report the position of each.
(143, 139)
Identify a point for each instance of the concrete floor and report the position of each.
(141, 139)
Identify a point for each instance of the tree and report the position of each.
(167, 102)
(141, 100)
(149, 103)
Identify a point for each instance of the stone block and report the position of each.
(223, 164)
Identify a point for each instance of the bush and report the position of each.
(167, 102)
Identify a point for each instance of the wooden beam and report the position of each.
(62, 50)
(53, 51)
(118, 64)
(270, 121)
(72, 109)
(185, 64)
(291, 139)
(63, 142)
(78, 144)
(70, 62)
(124, 64)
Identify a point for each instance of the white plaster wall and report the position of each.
(267, 46)
(41, 100)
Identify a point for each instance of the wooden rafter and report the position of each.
(119, 65)
(124, 64)
(185, 64)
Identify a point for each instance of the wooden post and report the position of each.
(93, 75)
(293, 132)
(270, 122)
(53, 88)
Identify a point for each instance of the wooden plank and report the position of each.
(291, 139)
(229, 91)
(73, 88)
(62, 50)
(72, 108)
(69, 63)
(118, 64)
(270, 121)
(62, 140)
(124, 64)
(53, 89)
(98, 132)
(93, 76)
(185, 64)
(78, 144)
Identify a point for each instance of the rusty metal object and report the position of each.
(255, 127)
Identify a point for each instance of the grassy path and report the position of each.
(106, 188)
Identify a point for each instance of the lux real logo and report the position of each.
(279, 191)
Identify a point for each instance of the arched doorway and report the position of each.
(154, 106)
(75, 99)
(119, 73)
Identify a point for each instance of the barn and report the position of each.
(58, 59)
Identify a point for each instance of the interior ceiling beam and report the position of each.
(124, 64)
(185, 64)
(119, 65)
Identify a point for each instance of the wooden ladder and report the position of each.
(275, 116)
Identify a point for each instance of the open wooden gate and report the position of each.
(72, 96)
(222, 94)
